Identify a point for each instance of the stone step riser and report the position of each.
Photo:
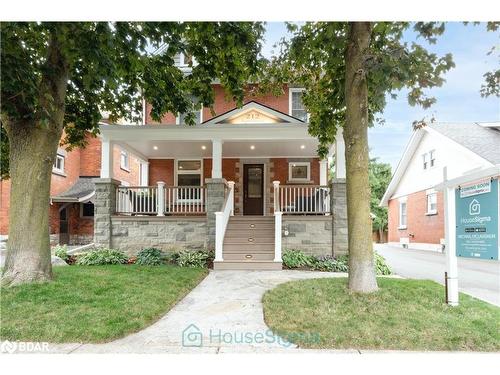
(247, 247)
(245, 257)
(247, 265)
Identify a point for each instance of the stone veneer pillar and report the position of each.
(339, 212)
(215, 202)
(104, 206)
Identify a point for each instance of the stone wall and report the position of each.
(215, 203)
(133, 233)
(311, 234)
(339, 212)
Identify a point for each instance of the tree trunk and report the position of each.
(361, 259)
(33, 147)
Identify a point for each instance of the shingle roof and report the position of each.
(482, 140)
(83, 187)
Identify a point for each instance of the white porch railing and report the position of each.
(301, 199)
(160, 200)
(221, 220)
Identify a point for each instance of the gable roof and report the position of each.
(279, 116)
(480, 139)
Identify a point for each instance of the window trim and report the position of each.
(59, 171)
(178, 118)
(81, 211)
(290, 109)
(432, 159)
(177, 172)
(292, 164)
(425, 163)
(125, 167)
(400, 216)
(428, 211)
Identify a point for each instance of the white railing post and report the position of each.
(276, 185)
(277, 235)
(219, 235)
(231, 197)
(160, 196)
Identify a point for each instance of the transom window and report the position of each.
(188, 174)
(124, 160)
(297, 108)
(58, 164)
(299, 171)
(431, 203)
(403, 216)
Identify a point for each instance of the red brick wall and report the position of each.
(161, 170)
(222, 105)
(132, 175)
(90, 157)
(4, 206)
(281, 170)
(422, 228)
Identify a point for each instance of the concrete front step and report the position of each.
(247, 265)
(248, 246)
(248, 256)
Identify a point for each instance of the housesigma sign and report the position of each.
(477, 220)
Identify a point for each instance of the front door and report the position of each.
(253, 189)
(63, 227)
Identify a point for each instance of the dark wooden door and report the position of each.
(253, 189)
(63, 227)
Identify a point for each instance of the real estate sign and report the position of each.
(477, 220)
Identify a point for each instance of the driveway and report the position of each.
(476, 277)
(222, 314)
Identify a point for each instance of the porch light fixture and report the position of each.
(302, 147)
(203, 147)
(155, 147)
(252, 147)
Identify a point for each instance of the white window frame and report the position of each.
(292, 164)
(125, 167)
(401, 203)
(178, 118)
(425, 162)
(290, 91)
(429, 210)
(180, 171)
(81, 211)
(432, 158)
(182, 60)
(56, 170)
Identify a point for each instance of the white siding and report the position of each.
(447, 153)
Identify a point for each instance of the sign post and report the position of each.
(450, 238)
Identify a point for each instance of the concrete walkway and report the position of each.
(222, 314)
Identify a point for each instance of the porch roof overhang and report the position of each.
(161, 141)
(80, 192)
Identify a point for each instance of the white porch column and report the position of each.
(161, 198)
(216, 158)
(339, 155)
(106, 158)
(323, 172)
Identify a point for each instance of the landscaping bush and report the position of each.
(296, 258)
(150, 257)
(61, 251)
(195, 259)
(102, 256)
(381, 266)
(329, 264)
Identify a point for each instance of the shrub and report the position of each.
(296, 258)
(342, 263)
(61, 251)
(149, 257)
(381, 267)
(328, 263)
(102, 256)
(194, 259)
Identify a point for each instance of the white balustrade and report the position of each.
(301, 199)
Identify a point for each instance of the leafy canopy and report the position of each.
(379, 175)
(314, 58)
(112, 67)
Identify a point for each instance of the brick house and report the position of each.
(416, 213)
(72, 191)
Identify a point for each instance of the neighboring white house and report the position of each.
(416, 217)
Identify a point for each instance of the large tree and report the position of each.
(61, 76)
(348, 69)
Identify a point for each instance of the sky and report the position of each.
(458, 100)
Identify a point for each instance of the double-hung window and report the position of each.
(431, 203)
(58, 166)
(403, 215)
(189, 173)
(124, 160)
(297, 108)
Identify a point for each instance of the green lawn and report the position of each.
(93, 303)
(403, 314)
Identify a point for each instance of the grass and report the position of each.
(93, 304)
(402, 315)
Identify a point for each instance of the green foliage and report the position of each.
(381, 267)
(4, 154)
(379, 177)
(149, 257)
(113, 66)
(314, 58)
(296, 258)
(61, 251)
(196, 259)
(99, 257)
(330, 264)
